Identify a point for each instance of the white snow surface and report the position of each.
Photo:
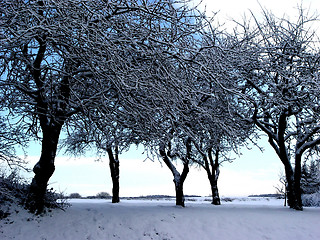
(160, 219)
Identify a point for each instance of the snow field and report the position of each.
(161, 220)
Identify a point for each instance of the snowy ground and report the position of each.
(159, 219)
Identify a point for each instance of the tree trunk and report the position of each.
(292, 193)
(214, 187)
(281, 150)
(179, 193)
(297, 181)
(178, 181)
(213, 174)
(43, 170)
(115, 174)
(178, 178)
(215, 193)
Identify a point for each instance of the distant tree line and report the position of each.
(161, 74)
(100, 195)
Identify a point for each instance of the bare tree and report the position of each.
(51, 54)
(213, 98)
(152, 94)
(41, 69)
(96, 131)
(142, 74)
(281, 75)
(281, 187)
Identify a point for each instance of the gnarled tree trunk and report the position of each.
(43, 170)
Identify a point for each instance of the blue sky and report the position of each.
(253, 172)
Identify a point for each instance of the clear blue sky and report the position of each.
(252, 173)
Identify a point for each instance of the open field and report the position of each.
(251, 218)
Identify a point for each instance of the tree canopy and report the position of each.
(160, 74)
